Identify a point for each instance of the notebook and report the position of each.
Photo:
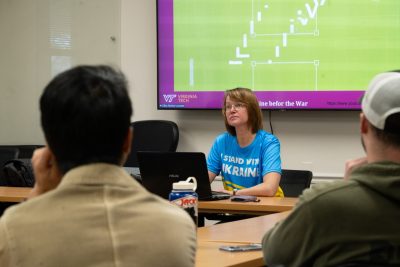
(159, 170)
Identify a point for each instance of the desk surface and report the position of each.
(14, 194)
(266, 205)
(208, 254)
(210, 238)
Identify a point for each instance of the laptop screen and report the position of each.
(159, 170)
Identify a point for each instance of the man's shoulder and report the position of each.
(329, 190)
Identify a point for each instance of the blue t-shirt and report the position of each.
(244, 167)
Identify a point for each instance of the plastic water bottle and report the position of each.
(184, 195)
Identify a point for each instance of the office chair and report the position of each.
(6, 153)
(152, 135)
(293, 182)
(26, 151)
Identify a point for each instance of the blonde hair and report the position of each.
(249, 99)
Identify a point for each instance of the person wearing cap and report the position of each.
(355, 220)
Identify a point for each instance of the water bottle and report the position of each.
(184, 195)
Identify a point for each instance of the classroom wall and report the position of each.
(320, 141)
(40, 38)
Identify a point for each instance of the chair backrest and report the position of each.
(23, 151)
(18, 172)
(152, 135)
(10, 152)
(293, 182)
(26, 151)
(6, 153)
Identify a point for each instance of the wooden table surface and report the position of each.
(13, 194)
(247, 231)
(266, 205)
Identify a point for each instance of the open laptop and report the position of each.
(159, 170)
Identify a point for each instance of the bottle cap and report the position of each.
(186, 184)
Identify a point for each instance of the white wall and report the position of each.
(40, 38)
(317, 140)
(314, 140)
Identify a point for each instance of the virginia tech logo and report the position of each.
(169, 98)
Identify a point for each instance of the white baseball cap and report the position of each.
(382, 98)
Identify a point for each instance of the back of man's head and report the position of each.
(85, 115)
(381, 106)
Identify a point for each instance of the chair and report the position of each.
(26, 151)
(6, 153)
(293, 182)
(152, 135)
(9, 152)
(23, 151)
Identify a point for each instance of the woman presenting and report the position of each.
(247, 157)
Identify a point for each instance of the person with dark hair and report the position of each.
(354, 220)
(246, 156)
(84, 209)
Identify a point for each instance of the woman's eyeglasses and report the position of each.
(236, 106)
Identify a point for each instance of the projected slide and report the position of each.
(300, 54)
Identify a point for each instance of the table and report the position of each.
(14, 194)
(266, 205)
(247, 231)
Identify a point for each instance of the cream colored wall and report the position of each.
(315, 140)
(40, 38)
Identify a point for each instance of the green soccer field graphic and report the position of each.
(284, 45)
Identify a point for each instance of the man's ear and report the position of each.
(364, 127)
(126, 149)
(54, 160)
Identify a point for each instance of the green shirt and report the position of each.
(356, 220)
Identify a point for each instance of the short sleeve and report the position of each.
(271, 155)
(214, 163)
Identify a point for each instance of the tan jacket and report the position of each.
(98, 216)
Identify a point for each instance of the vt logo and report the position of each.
(169, 98)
